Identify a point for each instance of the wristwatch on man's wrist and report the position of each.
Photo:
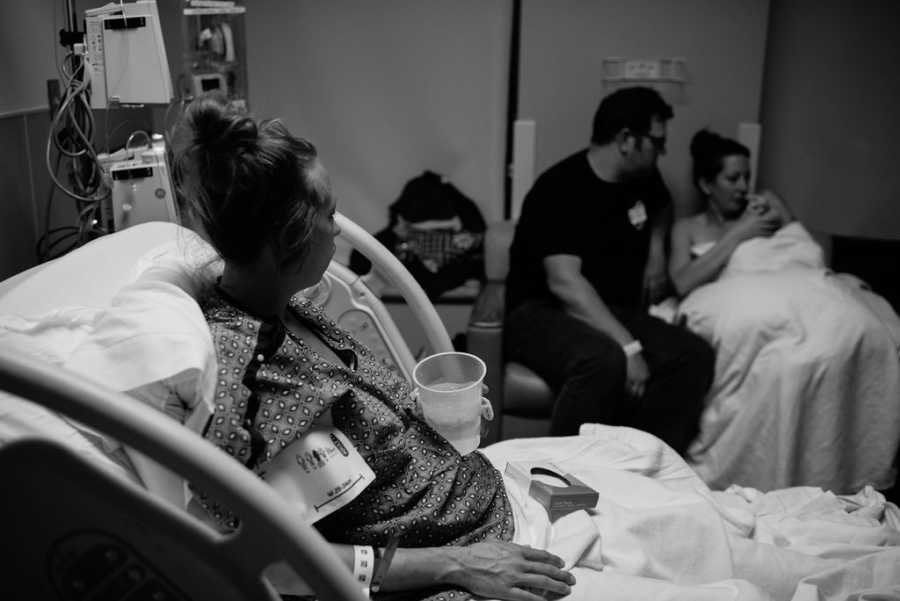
(632, 348)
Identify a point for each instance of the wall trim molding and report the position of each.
(24, 112)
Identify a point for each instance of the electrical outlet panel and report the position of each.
(642, 69)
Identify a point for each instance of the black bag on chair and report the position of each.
(436, 231)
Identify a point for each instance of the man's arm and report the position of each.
(582, 302)
(579, 297)
(688, 273)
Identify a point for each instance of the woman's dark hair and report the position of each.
(708, 152)
(633, 108)
(244, 183)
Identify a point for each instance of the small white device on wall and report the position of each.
(667, 75)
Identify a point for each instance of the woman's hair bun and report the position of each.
(708, 150)
(704, 143)
(214, 122)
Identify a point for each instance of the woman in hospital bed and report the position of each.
(287, 372)
(807, 383)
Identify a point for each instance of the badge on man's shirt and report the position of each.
(637, 215)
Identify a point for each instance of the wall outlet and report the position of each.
(54, 96)
(642, 69)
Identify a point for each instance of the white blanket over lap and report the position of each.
(658, 532)
(807, 383)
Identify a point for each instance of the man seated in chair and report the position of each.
(587, 258)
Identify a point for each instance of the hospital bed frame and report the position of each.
(76, 531)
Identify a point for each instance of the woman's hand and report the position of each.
(758, 220)
(778, 206)
(636, 375)
(498, 570)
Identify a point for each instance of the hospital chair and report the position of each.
(78, 530)
(521, 399)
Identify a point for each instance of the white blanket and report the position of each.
(807, 383)
(658, 532)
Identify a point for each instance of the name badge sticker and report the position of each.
(319, 473)
(637, 215)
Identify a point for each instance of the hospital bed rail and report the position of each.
(52, 496)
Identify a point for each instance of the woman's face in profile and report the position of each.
(321, 244)
(728, 190)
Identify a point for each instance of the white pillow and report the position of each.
(142, 335)
(153, 341)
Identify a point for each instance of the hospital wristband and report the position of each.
(632, 348)
(363, 566)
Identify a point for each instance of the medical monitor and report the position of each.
(126, 57)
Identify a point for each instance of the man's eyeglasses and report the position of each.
(659, 143)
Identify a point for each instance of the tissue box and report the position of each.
(571, 495)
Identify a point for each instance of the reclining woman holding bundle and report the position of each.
(807, 376)
(261, 197)
(703, 243)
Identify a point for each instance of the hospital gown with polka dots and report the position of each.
(272, 387)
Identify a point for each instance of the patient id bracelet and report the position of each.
(363, 566)
(632, 348)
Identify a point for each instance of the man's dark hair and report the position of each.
(632, 108)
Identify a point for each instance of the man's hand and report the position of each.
(636, 375)
(498, 570)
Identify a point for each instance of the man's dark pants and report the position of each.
(587, 368)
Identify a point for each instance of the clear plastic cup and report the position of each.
(449, 386)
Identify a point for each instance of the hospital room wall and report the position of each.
(377, 103)
(831, 110)
(387, 90)
(565, 42)
(831, 116)
(27, 32)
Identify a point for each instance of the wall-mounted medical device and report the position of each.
(126, 57)
(214, 45)
(207, 82)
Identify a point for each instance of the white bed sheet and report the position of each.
(663, 534)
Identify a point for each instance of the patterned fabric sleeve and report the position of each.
(272, 387)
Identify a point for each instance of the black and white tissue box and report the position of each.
(570, 494)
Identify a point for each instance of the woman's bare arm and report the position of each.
(688, 273)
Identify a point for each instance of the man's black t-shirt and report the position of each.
(571, 211)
